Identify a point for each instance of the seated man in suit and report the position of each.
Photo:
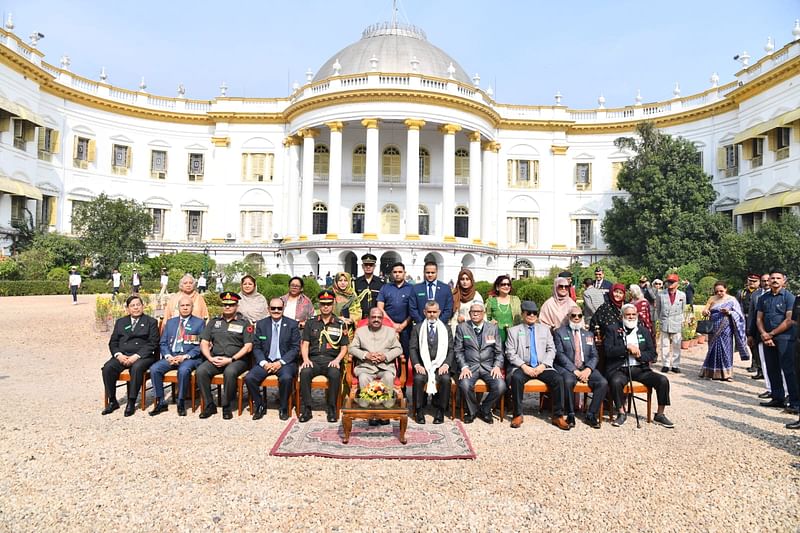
(479, 355)
(629, 344)
(576, 360)
(431, 289)
(374, 349)
(180, 350)
(276, 345)
(133, 345)
(530, 352)
(431, 353)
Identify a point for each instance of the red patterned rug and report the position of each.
(430, 442)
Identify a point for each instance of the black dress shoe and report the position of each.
(664, 369)
(439, 417)
(791, 410)
(676, 370)
(259, 413)
(771, 403)
(759, 375)
(419, 418)
(468, 418)
(592, 421)
(305, 416)
(227, 414)
(110, 408)
(751, 368)
(793, 425)
(486, 417)
(332, 416)
(161, 407)
(181, 409)
(373, 422)
(384, 422)
(283, 414)
(764, 395)
(210, 409)
(130, 409)
(571, 420)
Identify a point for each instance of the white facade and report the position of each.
(403, 162)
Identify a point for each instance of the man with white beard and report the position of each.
(576, 360)
(628, 343)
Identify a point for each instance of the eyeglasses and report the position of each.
(563, 286)
(295, 287)
(504, 284)
(531, 312)
(573, 315)
(276, 308)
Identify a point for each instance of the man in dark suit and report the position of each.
(576, 360)
(431, 353)
(628, 343)
(133, 344)
(479, 355)
(600, 281)
(530, 352)
(180, 350)
(276, 346)
(431, 289)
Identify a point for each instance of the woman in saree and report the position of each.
(728, 330)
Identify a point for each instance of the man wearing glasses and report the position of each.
(225, 342)
(531, 353)
(276, 346)
(576, 360)
(323, 347)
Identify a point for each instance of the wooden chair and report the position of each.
(639, 388)
(271, 381)
(125, 376)
(218, 380)
(399, 362)
(317, 382)
(534, 386)
(453, 393)
(583, 388)
(171, 378)
(481, 388)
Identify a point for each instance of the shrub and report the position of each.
(483, 288)
(311, 288)
(9, 269)
(35, 264)
(704, 289)
(280, 279)
(275, 291)
(212, 300)
(536, 292)
(58, 274)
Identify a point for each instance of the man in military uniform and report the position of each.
(323, 347)
(745, 296)
(369, 285)
(226, 343)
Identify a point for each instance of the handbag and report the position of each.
(704, 327)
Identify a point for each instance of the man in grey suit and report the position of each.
(531, 353)
(670, 305)
(576, 360)
(593, 298)
(479, 355)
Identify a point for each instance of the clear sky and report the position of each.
(526, 50)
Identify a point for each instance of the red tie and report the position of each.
(576, 337)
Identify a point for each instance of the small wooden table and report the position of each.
(379, 412)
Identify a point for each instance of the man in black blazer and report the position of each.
(576, 360)
(431, 289)
(431, 366)
(133, 345)
(600, 280)
(274, 355)
(629, 343)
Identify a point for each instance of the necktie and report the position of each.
(134, 321)
(432, 333)
(598, 283)
(477, 335)
(576, 339)
(178, 348)
(430, 291)
(532, 336)
(274, 351)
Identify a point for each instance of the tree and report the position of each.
(67, 251)
(112, 231)
(666, 219)
(24, 231)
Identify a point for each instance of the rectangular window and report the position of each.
(48, 143)
(48, 215)
(196, 167)
(157, 230)
(523, 232)
(18, 208)
(782, 140)
(757, 152)
(83, 152)
(257, 166)
(583, 176)
(158, 164)
(616, 166)
(194, 225)
(584, 237)
(19, 134)
(731, 161)
(121, 159)
(523, 173)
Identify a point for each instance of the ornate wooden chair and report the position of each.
(400, 365)
(125, 377)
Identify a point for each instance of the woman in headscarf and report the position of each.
(555, 310)
(346, 304)
(464, 295)
(253, 305)
(297, 305)
(642, 307)
(728, 331)
(503, 308)
(611, 311)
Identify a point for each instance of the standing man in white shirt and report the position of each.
(74, 284)
(116, 283)
(202, 283)
(162, 295)
(136, 282)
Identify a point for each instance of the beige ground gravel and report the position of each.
(729, 465)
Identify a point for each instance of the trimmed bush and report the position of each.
(58, 274)
(536, 292)
(278, 279)
(483, 288)
(310, 288)
(9, 269)
(275, 291)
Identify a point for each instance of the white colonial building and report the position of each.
(390, 147)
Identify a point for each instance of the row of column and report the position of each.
(481, 197)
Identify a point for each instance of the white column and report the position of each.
(371, 179)
(335, 181)
(449, 180)
(489, 220)
(412, 178)
(560, 233)
(475, 186)
(290, 216)
(307, 195)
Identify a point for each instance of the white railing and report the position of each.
(354, 82)
(393, 80)
(321, 88)
(620, 114)
(50, 69)
(125, 96)
(465, 91)
(85, 85)
(203, 107)
(164, 103)
(583, 115)
(780, 57)
(692, 101)
(433, 84)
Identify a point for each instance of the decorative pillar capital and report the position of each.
(291, 140)
(335, 126)
(491, 146)
(475, 137)
(450, 129)
(414, 123)
(370, 123)
(309, 133)
(559, 149)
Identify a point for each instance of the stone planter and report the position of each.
(684, 345)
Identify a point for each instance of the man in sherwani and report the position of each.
(530, 352)
(479, 355)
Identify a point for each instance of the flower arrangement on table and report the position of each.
(375, 393)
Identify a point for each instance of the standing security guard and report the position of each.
(226, 343)
(368, 286)
(323, 347)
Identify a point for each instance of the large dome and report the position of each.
(399, 48)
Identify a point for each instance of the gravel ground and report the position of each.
(729, 465)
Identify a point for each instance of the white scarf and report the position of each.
(425, 355)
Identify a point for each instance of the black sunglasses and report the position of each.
(563, 286)
(573, 315)
(276, 308)
(531, 312)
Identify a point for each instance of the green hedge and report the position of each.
(37, 288)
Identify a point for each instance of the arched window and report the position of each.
(319, 218)
(322, 160)
(523, 268)
(462, 167)
(391, 165)
(424, 166)
(424, 221)
(359, 163)
(390, 219)
(462, 221)
(357, 214)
